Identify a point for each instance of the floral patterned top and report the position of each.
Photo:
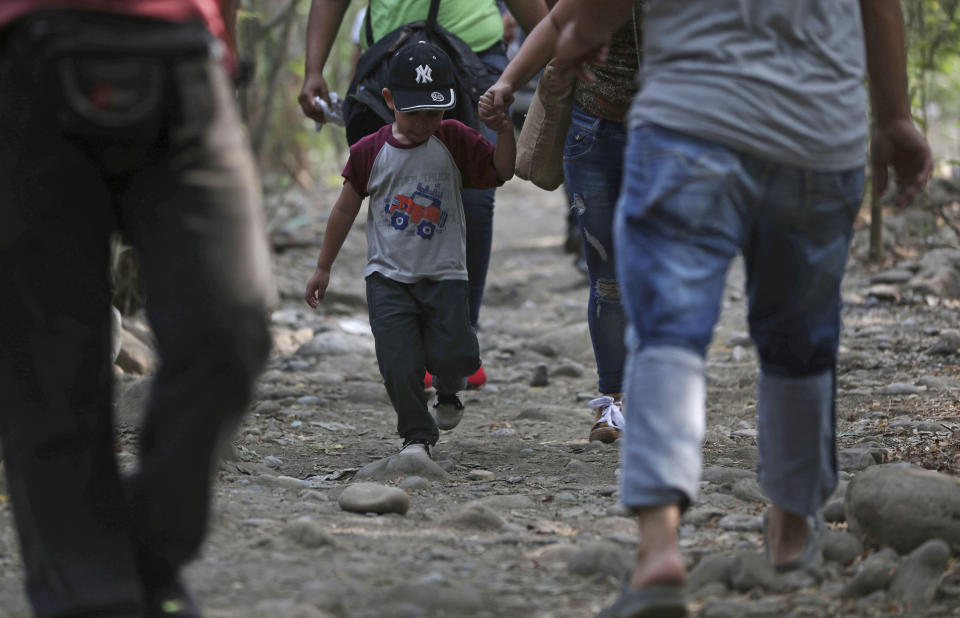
(609, 97)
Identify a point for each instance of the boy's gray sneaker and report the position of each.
(448, 411)
(412, 447)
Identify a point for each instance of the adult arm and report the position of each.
(322, 26)
(896, 142)
(586, 38)
(536, 50)
(528, 13)
(338, 226)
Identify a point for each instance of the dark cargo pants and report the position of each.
(119, 124)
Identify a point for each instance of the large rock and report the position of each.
(903, 506)
(390, 468)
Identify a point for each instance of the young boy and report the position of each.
(413, 170)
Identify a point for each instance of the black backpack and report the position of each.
(365, 111)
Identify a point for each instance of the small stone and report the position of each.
(750, 570)
(289, 482)
(553, 555)
(841, 547)
(481, 475)
(710, 569)
(539, 375)
(834, 512)
(899, 388)
(415, 483)
(508, 502)
(918, 575)
(568, 369)
(267, 407)
(873, 574)
(893, 275)
(948, 342)
(740, 523)
(884, 292)
(749, 490)
(272, 462)
(308, 533)
(475, 515)
(374, 498)
(601, 557)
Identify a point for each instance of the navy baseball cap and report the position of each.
(421, 77)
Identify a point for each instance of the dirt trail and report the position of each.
(527, 522)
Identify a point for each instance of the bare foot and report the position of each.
(787, 535)
(659, 561)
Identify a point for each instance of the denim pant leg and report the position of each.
(593, 169)
(478, 213)
(794, 263)
(449, 340)
(396, 319)
(679, 222)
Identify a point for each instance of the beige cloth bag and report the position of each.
(540, 146)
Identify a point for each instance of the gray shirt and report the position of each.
(781, 79)
(415, 226)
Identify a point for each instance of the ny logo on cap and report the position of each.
(423, 74)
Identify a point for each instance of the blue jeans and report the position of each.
(478, 212)
(592, 169)
(688, 206)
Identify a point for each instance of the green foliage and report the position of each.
(933, 46)
(272, 33)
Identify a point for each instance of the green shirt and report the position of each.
(477, 22)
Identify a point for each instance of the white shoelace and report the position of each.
(611, 411)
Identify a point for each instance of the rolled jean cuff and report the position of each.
(796, 440)
(661, 456)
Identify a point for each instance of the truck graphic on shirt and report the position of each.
(421, 208)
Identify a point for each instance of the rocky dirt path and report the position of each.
(520, 516)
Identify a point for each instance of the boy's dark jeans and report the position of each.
(114, 123)
(415, 326)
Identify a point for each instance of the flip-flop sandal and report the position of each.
(812, 556)
(667, 601)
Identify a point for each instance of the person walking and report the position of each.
(479, 24)
(593, 172)
(120, 117)
(772, 167)
(413, 171)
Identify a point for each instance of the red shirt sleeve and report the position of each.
(473, 154)
(362, 155)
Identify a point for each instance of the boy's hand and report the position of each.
(497, 118)
(317, 286)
